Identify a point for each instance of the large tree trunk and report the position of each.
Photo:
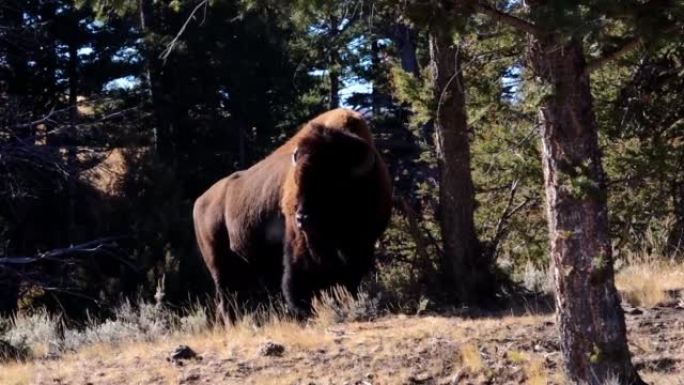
(404, 39)
(334, 66)
(675, 239)
(592, 324)
(9, 287)
(166, 115)
(72, 157)
(463, 264)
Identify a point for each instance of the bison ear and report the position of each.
(318, 129)
(294, 156)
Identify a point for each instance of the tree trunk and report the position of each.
(16, 63)
(462, 263)
(151, 19)
(73, 140)
(591, 321)
(405, 40)
(9, 287)
(334, 66)
(73, 79)
(675, 239)
(375, 67)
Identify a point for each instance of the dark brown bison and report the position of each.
(303, 219)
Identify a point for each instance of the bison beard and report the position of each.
(304, 218)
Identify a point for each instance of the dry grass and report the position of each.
(390, 350)
(532, 365)
(648, 281)
(394, 350)
(15, 374)
(470, 358)
(333, 348)
(663, 379)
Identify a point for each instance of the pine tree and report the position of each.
(593, 333)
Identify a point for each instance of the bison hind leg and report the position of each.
(227, 311)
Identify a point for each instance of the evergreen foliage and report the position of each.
(191, 91)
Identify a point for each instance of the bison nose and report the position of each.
(301, 218)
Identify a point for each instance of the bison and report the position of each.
(303, 219)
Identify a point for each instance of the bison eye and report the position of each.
(294, 155)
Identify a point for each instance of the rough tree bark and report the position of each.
(591, 320)
(160, 85)
(72, 158)
(462, 261)
(333, 66)
(675, 239)
(405, 40)
(9, 287)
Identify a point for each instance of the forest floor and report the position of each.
(514, 347)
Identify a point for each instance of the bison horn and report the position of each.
(366, 166)
(294, 156)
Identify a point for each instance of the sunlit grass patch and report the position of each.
(648, 281)
(15, 373)
(469, 358)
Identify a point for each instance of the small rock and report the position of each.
(634, 311)
(456, 378)
(51, 356)
(419, 378)
(271, 349)
(182, 352)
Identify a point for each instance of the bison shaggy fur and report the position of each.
(303, 219)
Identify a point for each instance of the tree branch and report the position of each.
(508, 212)
(626, 48)
(505, 18)
(629, 46)
(169, 48)
(57, 254)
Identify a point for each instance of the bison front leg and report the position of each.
(297, 294)
(358, 261)
(295, 284)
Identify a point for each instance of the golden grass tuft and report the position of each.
(516, 357)
(533, 366)
(333, 306)
(535, 372)
(16, 373)
(470, 358)
(646, 281)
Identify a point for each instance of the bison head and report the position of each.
(330, 166)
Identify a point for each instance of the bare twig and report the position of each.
(57, 254)
(15, 266)
(505, 18)
(44, 119)
(626, 48)
(169, 48)
(508, 212)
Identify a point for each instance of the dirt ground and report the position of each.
(513, 349)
